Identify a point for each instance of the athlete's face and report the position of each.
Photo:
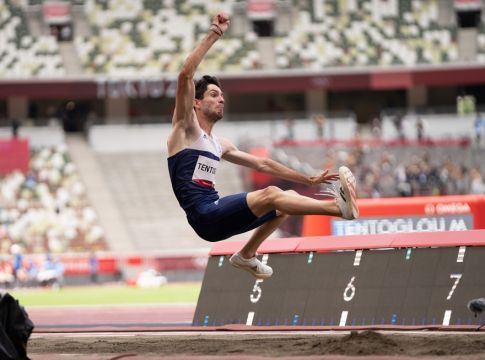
(212, 104)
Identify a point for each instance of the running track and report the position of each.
(111, 318)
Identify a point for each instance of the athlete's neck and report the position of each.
(205, 124)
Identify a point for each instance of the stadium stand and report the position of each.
(46, 210)
(152, 37)
(23, 54)
(364, 33)
(395, 169)
(100, 194)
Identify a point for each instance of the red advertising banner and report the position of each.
(400, 215)
(14, 155)
(74, 265)
(464, 5)
(56, 12)
(261, 8)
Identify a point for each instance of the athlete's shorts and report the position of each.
(228, 216)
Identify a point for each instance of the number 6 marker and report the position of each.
(350, 287)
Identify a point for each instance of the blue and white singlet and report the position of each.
(193, 171)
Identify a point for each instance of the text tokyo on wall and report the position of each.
(134, 89)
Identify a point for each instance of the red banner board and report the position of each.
(414, 214)
(74, 265)
(257, 7)
(14, 155)
(56, 12)
(464, 5)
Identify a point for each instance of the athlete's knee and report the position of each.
(272, 189)
(292, 192)
(264, 200)
(271, 192)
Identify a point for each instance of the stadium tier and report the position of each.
(153, 37)
(45, 209)
(363, 33)
(23, 53)
(394, 169)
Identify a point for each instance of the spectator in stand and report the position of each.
(290, 129)
(376, 127)
(93, 265)
(15, 128)
(32, 270)
(420, 129)
(52, 272)
(6, 274)
(319, 120)
(403, 185)
(399, 125)
(477, 185)
(16, 251)
(369, 186)
(461, 180)
(69, 117)
(60, 269)
(478, 126)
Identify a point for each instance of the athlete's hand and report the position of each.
(221, 22)
(324, 178)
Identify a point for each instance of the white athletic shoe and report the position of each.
(346, 198)
(253, 265)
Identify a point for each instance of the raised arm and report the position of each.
(268, 166)
(185, 85)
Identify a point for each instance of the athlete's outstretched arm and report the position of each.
(271, 167)
(185, 94)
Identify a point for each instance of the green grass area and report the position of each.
(108, 294)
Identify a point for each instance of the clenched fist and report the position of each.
(220, 23)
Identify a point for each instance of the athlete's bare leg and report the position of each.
(286, 203)
(289, 202)
(261, 234)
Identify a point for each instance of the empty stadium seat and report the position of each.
(22, 54)
(47, 210)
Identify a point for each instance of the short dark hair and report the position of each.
(202, 83)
